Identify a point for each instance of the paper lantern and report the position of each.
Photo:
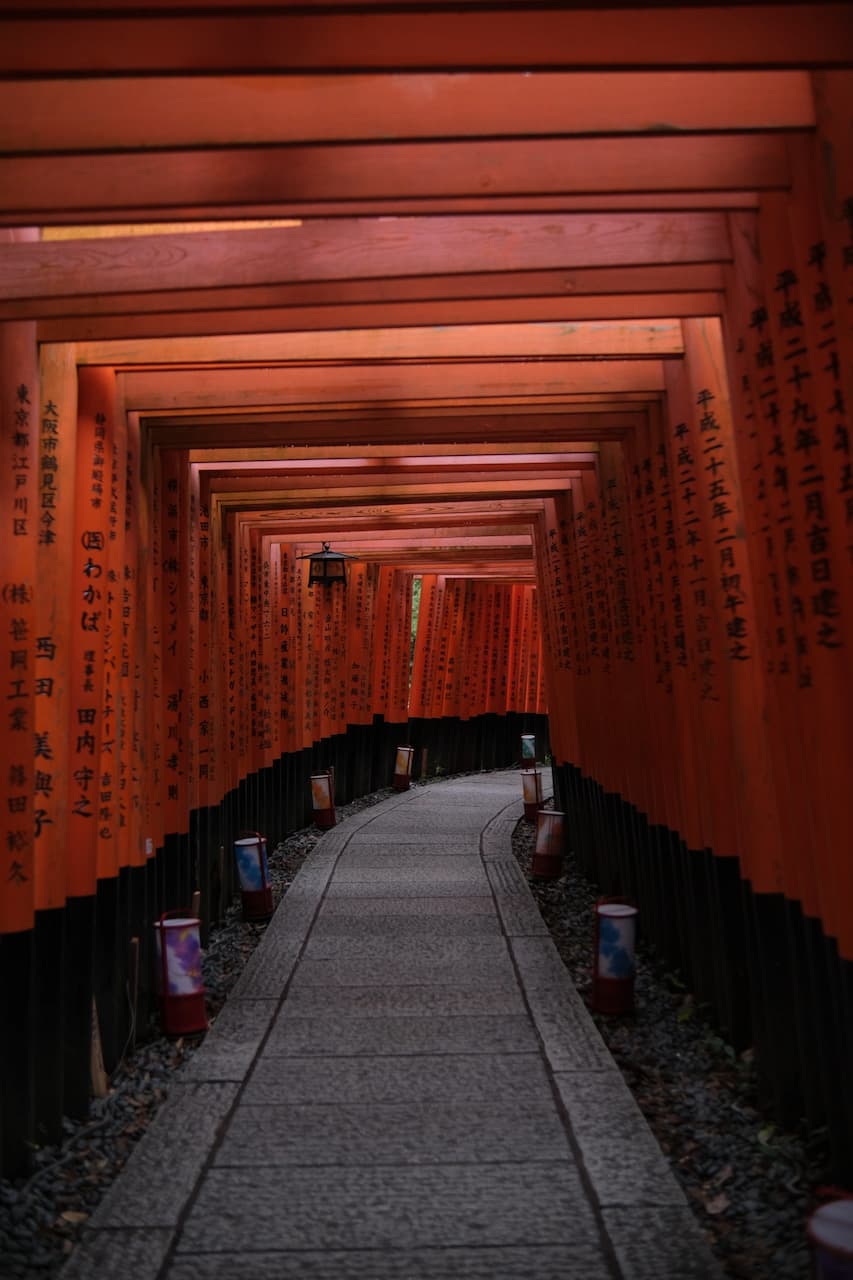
(547, 863)
(403, 768)
(614, 963)
(323, 799)
(531, 786)
(179, 974)
(253, 870)
(830, 1232)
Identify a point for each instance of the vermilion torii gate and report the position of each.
(550, 308)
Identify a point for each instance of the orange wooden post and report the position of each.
(753, 385)
(721, 503)
(54, 620)
(153, 647)
(829, 502)
(173, 568)
(96, 417)
(132, 668)
(813, 526)
(19, 473)
(112, 837)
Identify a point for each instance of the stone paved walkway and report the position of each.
(403, 1084)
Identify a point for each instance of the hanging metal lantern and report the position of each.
(403, 768)
(531, 786)
(327, 567)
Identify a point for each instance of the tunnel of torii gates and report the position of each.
(547, 308)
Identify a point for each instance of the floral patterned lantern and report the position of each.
(615, 941)
(253, 870)
(179, 974)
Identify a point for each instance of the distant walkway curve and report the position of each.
(403, 1084)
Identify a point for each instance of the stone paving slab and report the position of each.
(381, 1208)
(429, 1001)
(660, 1244)
(404, 950)
(135, 1253)
(427, 1078)
(429, 820)
(624, 1162)
(268, 970)
(540, 966)
(394, 887)
(466, 873)
(228, 1054)
(382, 841)
(347, 1036)
(462, 906)
(426, 970)
(569, 1036)
(402, 927)
(466, 1132)
(531, 1262)
(517, 909)
(163, 1169)
(366, 853)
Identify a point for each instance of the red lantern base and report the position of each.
(546, 866)
(401, 782)
(613, 995)
(257, 903)
(325, 818)
(183, 1015)
(531, 811)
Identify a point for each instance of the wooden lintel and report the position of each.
(374, 174)
(627, 307)
(142, 112)
(234, 39)
(471, 342)
(210, 388)
(361, 249)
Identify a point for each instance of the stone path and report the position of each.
(403, 1084)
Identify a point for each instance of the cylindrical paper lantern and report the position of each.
(403, 768)
(615, 943)
(528, 746)
(253, 870)
(547, 863)
(179, 974)
(830, 1232)
(531, 786)
(323, 798)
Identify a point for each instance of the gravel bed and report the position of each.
(751, 1184)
